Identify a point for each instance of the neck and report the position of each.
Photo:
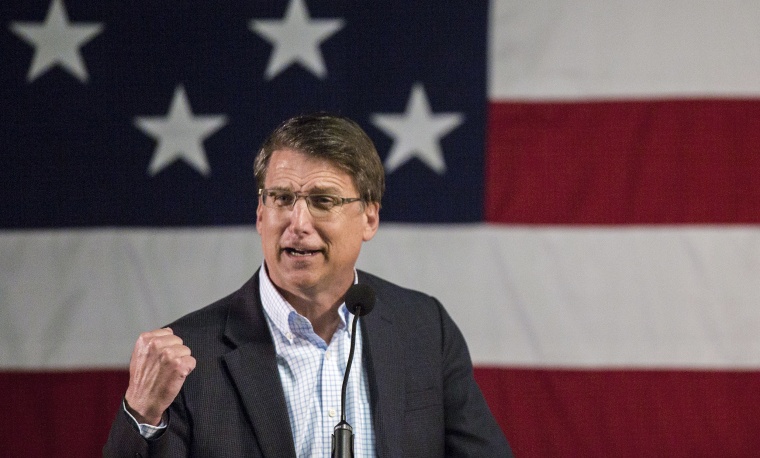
(320, 309)
(319, 303)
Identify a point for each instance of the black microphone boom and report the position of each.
(360, 299)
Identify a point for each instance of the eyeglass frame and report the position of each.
(340, 200)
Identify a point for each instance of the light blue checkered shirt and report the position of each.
(312, 371)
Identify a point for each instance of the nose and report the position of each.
(300, 216)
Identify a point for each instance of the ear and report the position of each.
(259, 210)
(371, 220)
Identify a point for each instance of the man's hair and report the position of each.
(337, 139)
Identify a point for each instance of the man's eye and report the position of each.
(323, 202)
(282, 198)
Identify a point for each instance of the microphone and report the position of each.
(360, 300)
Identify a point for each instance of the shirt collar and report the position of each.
(283, 316)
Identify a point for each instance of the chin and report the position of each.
(301, 279)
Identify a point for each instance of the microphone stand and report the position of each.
(343, 435)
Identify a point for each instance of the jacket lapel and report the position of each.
(383, 353)
(252, 365)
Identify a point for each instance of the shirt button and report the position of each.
(289, 336)
(331, 412)
(327, 355)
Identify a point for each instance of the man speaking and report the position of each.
(259, 373)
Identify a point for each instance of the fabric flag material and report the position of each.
(577, 182)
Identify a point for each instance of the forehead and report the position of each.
(292, 169)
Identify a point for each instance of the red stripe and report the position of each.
(543, 412)
(48, 414)
(625, 413)
(643, 162)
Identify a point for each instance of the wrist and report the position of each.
(148, 419)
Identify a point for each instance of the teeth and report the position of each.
(295, 252)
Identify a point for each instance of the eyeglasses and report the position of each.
(318, 204)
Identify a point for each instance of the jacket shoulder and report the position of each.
(388, 289)
(401, 302)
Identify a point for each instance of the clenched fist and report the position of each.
(158, 368)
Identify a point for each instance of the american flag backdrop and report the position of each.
(577, 181)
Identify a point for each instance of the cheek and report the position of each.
(347, 239)
(268, 229)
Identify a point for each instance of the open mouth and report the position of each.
(301, 253)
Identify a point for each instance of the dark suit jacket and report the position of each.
(425, 402)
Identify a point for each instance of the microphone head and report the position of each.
(362, 296)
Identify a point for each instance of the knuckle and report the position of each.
(152, 345)
(144, 338)
(145, 344)
(166, 354)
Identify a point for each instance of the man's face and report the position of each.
(305, 255)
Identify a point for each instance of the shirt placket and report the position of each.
(332, 382)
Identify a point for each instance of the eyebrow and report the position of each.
(315, 190)
(327, 190)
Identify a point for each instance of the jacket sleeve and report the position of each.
(124, 440)
(471, 429)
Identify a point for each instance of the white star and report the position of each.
(180, 135)
(417, 132)
(57, 42)
(296, 39)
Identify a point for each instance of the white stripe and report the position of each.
(81, 298)
(588, 297)
(528, 296)
(581, 49)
